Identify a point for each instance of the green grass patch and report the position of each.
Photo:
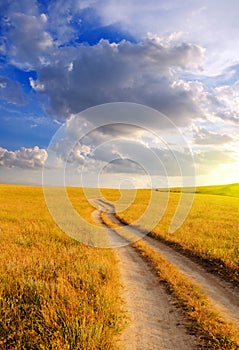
(231, 190)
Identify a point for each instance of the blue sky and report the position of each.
(58, 58)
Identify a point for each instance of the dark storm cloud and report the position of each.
(143, 73)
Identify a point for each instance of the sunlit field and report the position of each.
(223, 190)
(55, 293)
(211, 230)
(205, 233)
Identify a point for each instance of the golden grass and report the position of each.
(81, 204)
(211, 230)
(215, 332)
(55, 293)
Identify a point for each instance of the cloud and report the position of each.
(130, 157)
(212, 158)
(63, 15)
(79, 154)
(214, 104)
(11, 91)
(3, 48)
(141, 73)
(123, 148)
(123, 166)
(212, 24)
(152, 70)
(29, 7)
(228, 102)
(212, 161)
(29, 42)
(25, 158)
(35, 85)
(229, 116)
(204, 137)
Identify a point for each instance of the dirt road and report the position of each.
(223, 295)
(154, 320)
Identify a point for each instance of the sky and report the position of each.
(59, 58)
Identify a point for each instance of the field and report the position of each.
(55, 293)
(210, 232)
(201, 302)
(221, 190)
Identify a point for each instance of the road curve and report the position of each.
(154, 320)
(224, 295)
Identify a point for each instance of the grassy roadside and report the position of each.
(210, 232)
(215, 333)
(55, 293)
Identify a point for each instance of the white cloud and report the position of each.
(212, 24)
(25, 158)
(205, 137)
(43, 17)
(224, 103)
(214, 157)
(35, 85)
(79, 154)
(228, 96)
(29, 40)
(215, 104)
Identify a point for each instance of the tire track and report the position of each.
(154, 320)
(223, 294)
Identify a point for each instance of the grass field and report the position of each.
(213, 331)
(231, 190)
(55, 293)
(210, 232)
(221, 190)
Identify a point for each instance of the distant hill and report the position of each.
(231, 190)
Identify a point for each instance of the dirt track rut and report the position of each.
(154, 320)
(155, 323)
(222, 294)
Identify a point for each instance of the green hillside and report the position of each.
(231, 190)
